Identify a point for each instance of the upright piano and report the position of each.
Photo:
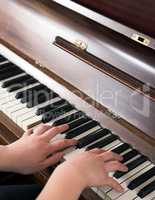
(90, 64)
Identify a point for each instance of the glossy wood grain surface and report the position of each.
(29, 28)
(33, 29)
(139, 14)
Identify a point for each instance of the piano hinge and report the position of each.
(113, 114)
(140, 39)
(81, 44)
(39, 65)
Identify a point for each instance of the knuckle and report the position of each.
(118, 164)
(55, 129)
(110, 153)
(42, 126)
(64, 142)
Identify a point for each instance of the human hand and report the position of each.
(92, 168)
(35, 151)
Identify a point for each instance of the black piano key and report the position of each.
(26, 92)
(35, 93)
(2, 59)
(141, 179)
(41, 99)
(69, 118)
(5, 67)
(147, 190)
(83, 128)
(13, 71)
(51, 115)
(131, 154)
(79, 122)
(132, 165)
(91, 138)
(14, 81)
(104, 142)
(120, 149)
(20, 86)
(51, 107)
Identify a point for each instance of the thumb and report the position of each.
(52, 160)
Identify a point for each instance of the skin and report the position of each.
(82, 171)
(34, 151)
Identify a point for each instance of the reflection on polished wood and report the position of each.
(44, 34)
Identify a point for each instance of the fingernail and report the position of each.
(75, 141)
(125, 169)
(65, 126)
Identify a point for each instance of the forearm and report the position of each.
(63, 184)
(5, 161)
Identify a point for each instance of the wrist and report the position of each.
(5, 158)
(7, 163)
(71, 173)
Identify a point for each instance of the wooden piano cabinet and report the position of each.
(137, 14)
(37, 48)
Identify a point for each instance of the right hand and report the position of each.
(93, 167)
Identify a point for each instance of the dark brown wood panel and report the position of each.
(139, 14)
(38, 45)
(104, 67)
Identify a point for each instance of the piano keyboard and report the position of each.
(29, 103)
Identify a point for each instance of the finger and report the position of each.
(28, 132)
(61, 144)
(114, 184)
(97, 151)
(115, 166)
(53, 159)
(42, 129)
(110, 156)
(51, 133)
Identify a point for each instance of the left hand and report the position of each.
(35, 151)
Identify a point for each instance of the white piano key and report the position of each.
(46, 103)
(134, 171)
(4, 62)
(87, 132)
(62, 116)
(31, 122)
(132, 159)
(95, 189)
(132, 194)
(76, 151)
(27, 113)
(111, 145)
(14, 110)
(30, 119)
(150, 196)
(129, 174)
(24, 115)
(114, 194)
(10, 103)
(125, 152)
(13, 77)
(11, 95)
(102, 195)
(5, 96)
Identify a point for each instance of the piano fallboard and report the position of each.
(125, 133)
